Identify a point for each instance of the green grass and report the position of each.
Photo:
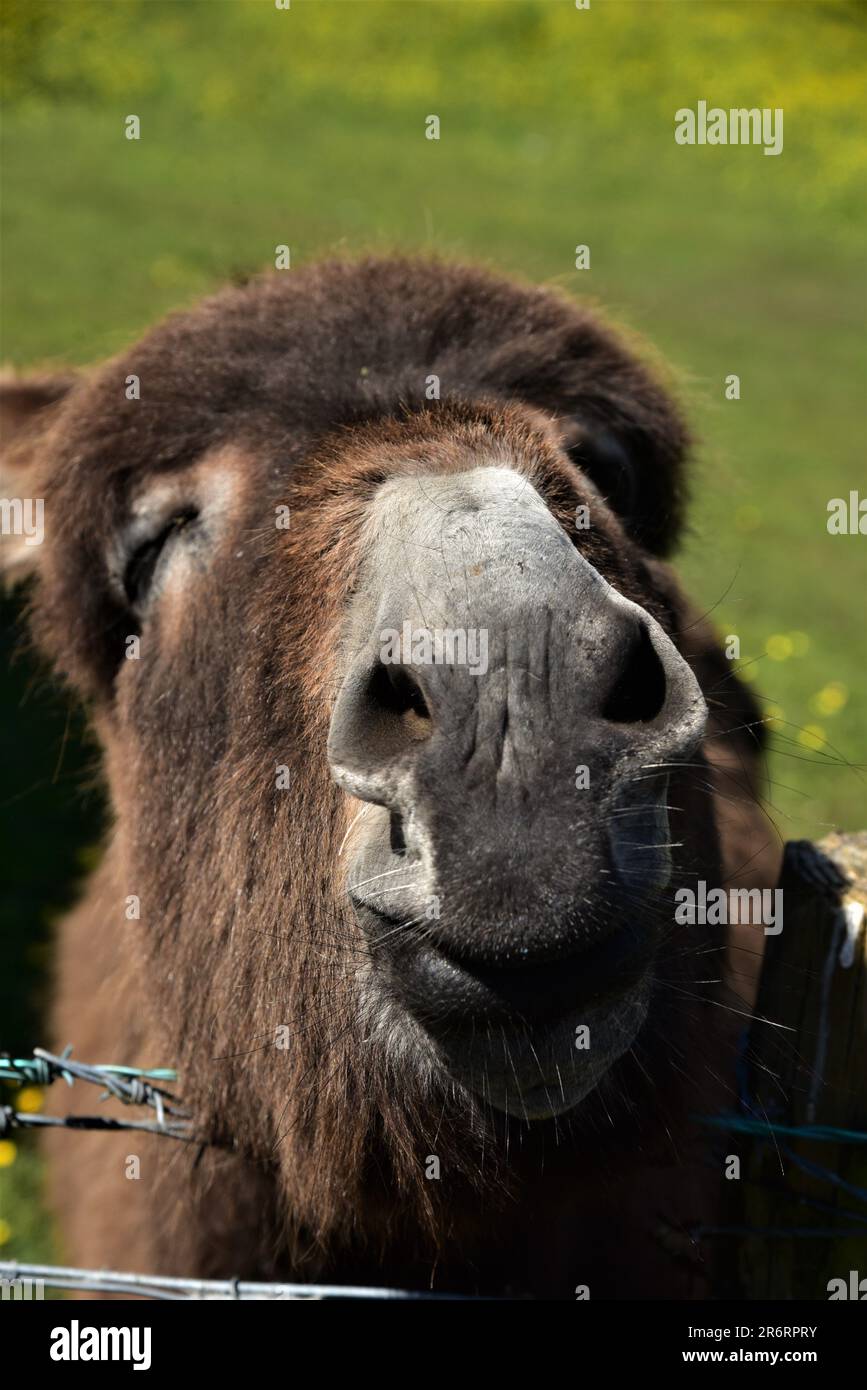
(261, 126)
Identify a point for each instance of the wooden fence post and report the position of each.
(801, 1204)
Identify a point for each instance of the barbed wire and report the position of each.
(130, 1085)
(136, 1086)
(14, 1119)
(173, 1289)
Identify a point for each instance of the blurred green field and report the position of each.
(262, 126)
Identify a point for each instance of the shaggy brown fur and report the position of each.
(309, 389)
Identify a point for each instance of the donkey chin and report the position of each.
(519, 1038)
(509, 860)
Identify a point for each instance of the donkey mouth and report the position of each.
(456, 987)
(530, 1034)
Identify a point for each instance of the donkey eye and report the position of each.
(141, 567)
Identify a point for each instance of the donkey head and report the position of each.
(358, 570)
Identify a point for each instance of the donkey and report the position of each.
(402, 920)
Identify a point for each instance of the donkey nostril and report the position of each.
(639, 692)
(379, 724)
(395, 689)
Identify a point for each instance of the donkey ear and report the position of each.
(25, 409)
(640, 476)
